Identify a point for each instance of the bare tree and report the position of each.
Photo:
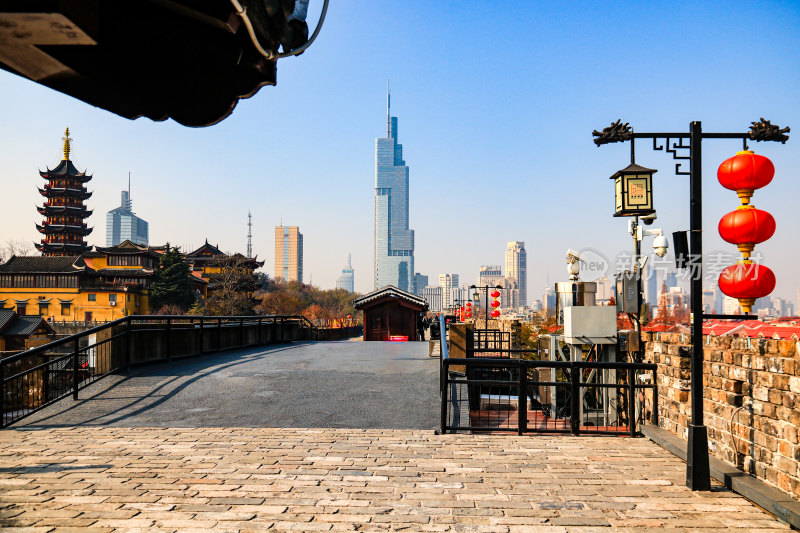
(16, 247)
(231, 289)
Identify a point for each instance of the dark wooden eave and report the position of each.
(189, 60)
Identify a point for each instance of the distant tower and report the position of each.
(123, 225)
(249, 234)
(517, 268)
(394, 242)
(64, 225)
(347, 280)
(288, 253)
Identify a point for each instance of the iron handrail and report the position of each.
(33, 399)
(524, 386)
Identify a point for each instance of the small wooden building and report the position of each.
(23, 332)
(390, 312)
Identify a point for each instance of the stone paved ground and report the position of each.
(249, 479)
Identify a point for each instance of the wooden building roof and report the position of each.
(389, 292)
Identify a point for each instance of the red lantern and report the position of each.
(746, 227)
(469, 314)
(469, 304)
(744, 173)
(495, 304)
(747, 281)
(495, 294)
(495, 313)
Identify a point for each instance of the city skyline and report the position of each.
(482, 163)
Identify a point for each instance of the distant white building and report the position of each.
(433, 295)
(347, 280)
(448, 282)
(517, 269)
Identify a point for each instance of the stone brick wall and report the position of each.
(757, 380)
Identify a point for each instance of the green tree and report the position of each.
(171, 284)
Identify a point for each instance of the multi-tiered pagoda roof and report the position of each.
(64, 225)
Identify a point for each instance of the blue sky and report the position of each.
(496, 104)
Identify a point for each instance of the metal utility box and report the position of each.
(572, 293)
(628, 340)
(590, 325)
(629, 298)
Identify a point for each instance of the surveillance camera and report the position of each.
(660, 244)
(649, 219)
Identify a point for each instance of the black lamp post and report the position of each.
(697, 471)
(476, 297)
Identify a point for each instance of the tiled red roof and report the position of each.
(786, 328)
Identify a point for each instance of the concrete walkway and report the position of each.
(315, 384)
(250, 479)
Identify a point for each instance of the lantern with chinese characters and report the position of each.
(745, 227)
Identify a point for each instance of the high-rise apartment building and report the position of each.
(347, 280)
(433, 295)
(517, 268)
(448, 283)
(394, 242)
(288, 253)
(122, 224)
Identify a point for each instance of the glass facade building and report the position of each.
(122, 224)
(394, 241)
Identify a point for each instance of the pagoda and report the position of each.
(64, 227)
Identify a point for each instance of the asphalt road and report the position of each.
(346, 384)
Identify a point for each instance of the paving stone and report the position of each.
(252, 479)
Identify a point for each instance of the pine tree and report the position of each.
(171, 285)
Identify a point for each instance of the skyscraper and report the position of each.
(288, 253)
(122, 224)
(517, 268)
(420, 282)
(394, 242)
(448, 283)
(347, 280)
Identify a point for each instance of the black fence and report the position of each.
(500, 394)
(493, 342)
(36, 378)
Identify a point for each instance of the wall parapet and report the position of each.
(749, 385)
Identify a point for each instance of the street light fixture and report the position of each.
(476, 296)
(633, 191)
(697, 468)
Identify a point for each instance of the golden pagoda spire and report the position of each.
(67, 139)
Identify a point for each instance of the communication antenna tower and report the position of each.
(249, 234)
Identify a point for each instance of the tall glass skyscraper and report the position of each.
(394, 242)
(122, 224)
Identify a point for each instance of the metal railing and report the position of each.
(36, 378)
(490, 394)
(492, 339)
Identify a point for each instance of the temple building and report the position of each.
(210, 264)
(100, 285)
(64, 226)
